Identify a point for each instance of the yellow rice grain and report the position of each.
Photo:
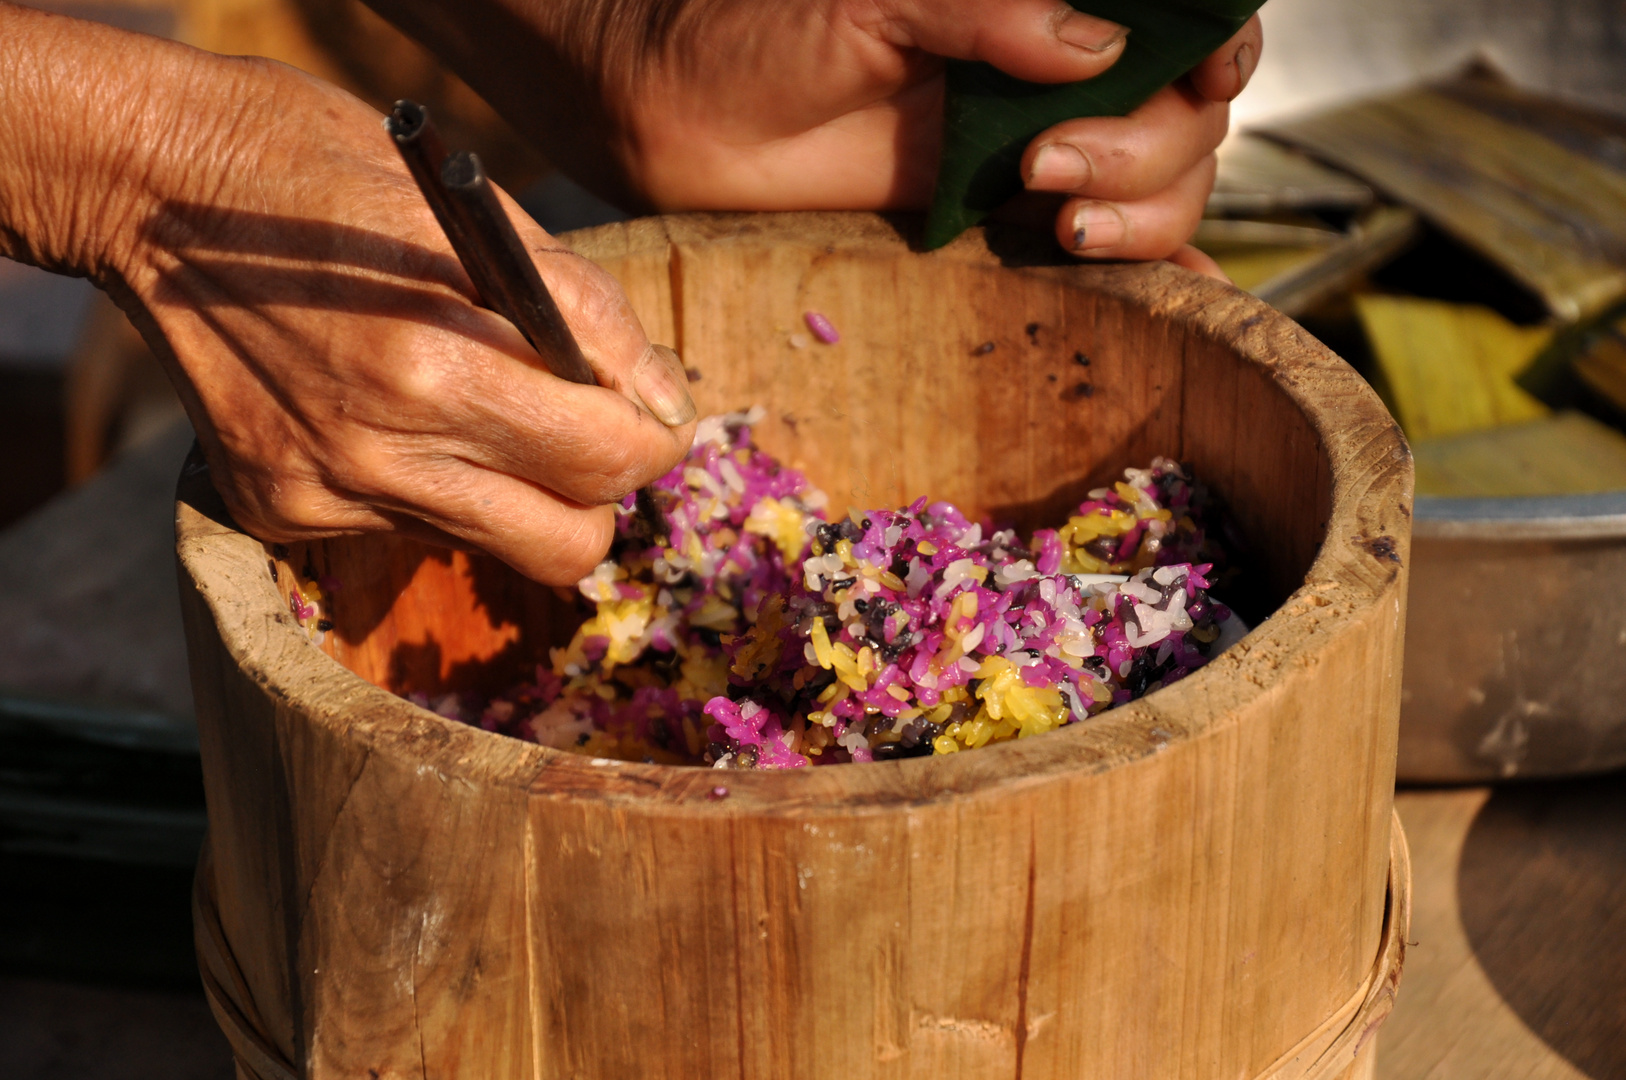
(780, 522)
(821, 645)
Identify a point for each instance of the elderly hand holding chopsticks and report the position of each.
(268, 241)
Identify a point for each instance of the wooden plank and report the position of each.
(1601, 363)
(1249, 268)
(1372, 241)
(1294, 268)
(1259, 177)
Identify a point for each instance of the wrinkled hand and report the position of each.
(831, 104)
(334, 360)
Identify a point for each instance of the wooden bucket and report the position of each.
(1202, 884)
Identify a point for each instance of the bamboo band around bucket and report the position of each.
(1336, 1045)
(1324, 1054)
(257, 1056)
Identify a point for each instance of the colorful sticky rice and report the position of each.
(764, 636)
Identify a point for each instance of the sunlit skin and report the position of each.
(274, 252)
(830, 104)
(259, 229)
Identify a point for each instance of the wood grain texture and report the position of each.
(1516, 970)
(1343, 1045)
(1187, 886)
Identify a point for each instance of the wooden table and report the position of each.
(1519, 922)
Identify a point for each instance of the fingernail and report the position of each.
(1060, 167)
(1097, 226)
(1246, 59)
(1087, 32)
(663, 386)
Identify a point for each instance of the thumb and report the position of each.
(1044, 41)
(605, 327)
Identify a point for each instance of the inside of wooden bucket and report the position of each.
(1009, 392)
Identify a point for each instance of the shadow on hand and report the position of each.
(202, 227)
(254, 259)
(404, 614)
(1543, 895)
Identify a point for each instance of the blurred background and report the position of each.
(1437, 188)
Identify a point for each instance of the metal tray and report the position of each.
(1515, 638)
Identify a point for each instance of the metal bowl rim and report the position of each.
(1530, 517)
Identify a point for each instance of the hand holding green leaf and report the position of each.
(990, 116)
(838, 104)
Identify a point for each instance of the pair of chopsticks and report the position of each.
(466, 205)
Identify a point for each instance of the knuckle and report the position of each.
(272, 514)
(620, 465)
(360, 465)
(600, 295)
(298, 508)
(580, 545)
(416, 376)
(250, 519)
(591, 297)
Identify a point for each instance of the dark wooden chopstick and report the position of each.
(466, 205)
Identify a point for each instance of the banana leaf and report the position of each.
(990, 117)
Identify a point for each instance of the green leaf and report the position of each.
(990, 117)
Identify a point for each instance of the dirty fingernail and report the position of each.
(663, 386)
(1098, 226)
(1247, 58)
(1060, 167)
(1087, 32)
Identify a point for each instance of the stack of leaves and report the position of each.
(1489, 302)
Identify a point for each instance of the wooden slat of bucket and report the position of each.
(1182, 887)
(356, 840)
(1341, 1048)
